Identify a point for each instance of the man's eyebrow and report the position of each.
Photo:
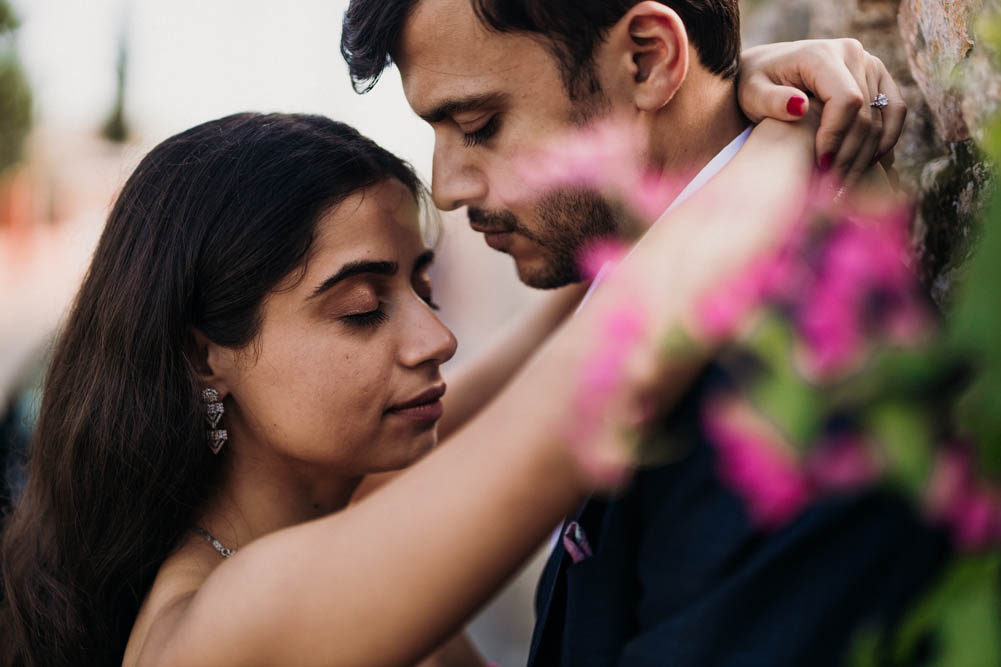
(451, 107)
(353, 269)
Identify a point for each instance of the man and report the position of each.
(671, 571)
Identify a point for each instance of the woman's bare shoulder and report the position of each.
(177, 581)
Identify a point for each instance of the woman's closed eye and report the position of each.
(362, 308)
(486, 131)
(367, 319)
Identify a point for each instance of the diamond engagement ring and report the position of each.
(881, 102)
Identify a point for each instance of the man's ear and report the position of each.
(209, 360)
(648, 51)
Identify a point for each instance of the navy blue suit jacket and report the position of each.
(680, 577)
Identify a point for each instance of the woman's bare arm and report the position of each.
(477, 382)
(387, 580)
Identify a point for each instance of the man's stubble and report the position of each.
(570, 221)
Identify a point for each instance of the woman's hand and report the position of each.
(775, 80)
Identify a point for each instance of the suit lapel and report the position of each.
(551, 598)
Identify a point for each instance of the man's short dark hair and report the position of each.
(573, 29)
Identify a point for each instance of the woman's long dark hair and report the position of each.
(211, 221)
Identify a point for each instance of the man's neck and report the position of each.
(701, 119)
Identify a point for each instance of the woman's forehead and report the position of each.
(383, 219)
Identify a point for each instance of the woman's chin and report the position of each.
(419, 447)
(423, 445)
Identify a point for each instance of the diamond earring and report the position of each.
(213, 413)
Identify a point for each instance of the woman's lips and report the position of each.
(428, 412)
(425, 407)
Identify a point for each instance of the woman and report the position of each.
(275, 264)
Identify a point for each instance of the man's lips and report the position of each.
(498, 238)
(425, 407)
(489, 229)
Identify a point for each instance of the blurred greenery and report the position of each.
(794, 406)
(975, 325)
(961, 616)
(905, 435)
(115, 127)
(15, 95)
(958, 622)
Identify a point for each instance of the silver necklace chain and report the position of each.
(225, 552)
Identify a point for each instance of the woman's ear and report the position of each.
(648, 51)
(209, 360)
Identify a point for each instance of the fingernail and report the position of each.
(876, 158)
(795, 106)
(825, 162)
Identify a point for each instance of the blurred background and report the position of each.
(87, 88)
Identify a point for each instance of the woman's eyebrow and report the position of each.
(353, 269)
(423, 260)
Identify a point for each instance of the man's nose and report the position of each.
(455, 181)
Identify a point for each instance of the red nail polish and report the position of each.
(826, 161)
(876, 158)
(795, 106)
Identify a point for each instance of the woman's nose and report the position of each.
(427, 339)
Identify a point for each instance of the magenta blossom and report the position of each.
(601, 256)
(843, 463)
(607, 157)
(756, 466)
(601, 378)
(848, 284)
(864, 287)
(777, 278)
(957, 498)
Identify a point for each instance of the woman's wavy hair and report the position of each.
(211, 221)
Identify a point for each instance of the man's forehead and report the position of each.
(446, 53)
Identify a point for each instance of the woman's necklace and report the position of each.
(225, 552)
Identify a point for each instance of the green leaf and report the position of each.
(975, 323)
(975, 330)
(906, 436)
(864, 650)
(780, 391)
(978, 417)
(894, 373)
(963, 613)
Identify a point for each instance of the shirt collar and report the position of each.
(713, 167)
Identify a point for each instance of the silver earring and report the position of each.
(213, 413)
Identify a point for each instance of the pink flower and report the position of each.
(624, 327)
(950, 478)
(864, 289)
(607, 156)
(597, 256)
(722, 312)
(955, 497)
(972, 520)
(755, 466)
(777, 278)
(601, 379)
(602, 374)
(830, 325)
(842, 464)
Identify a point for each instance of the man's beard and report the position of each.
(570, 222)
